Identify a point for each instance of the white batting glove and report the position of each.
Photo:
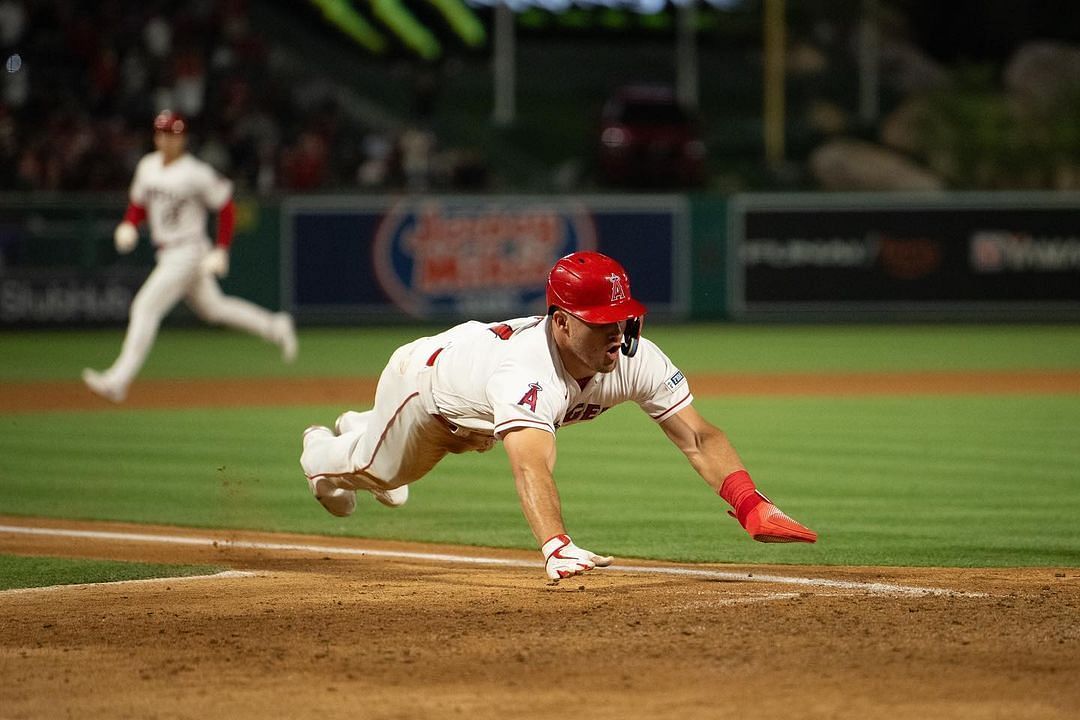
(564, 558)
(216, 262)
(125, 237)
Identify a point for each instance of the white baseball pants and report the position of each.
(402, 441)
(177, 276)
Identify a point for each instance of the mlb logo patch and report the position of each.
(675, 380)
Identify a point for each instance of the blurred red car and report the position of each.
(647, 139)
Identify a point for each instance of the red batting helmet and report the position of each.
(168, 121)
(592, 287)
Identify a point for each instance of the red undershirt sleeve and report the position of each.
(226, 223)
(135, 214)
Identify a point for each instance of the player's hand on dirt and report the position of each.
(216, 262)
(125, 237)
(563, 558)
(767, 523)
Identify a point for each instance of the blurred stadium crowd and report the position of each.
(84, 80)
(989, 108)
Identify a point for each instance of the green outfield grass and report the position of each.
(27, 356)
(921, 480)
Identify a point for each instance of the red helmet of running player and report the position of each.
(596, 289)
(171, 122)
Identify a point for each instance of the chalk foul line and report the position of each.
(704, 573)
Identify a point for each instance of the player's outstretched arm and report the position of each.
(714, 458)
(126, 235)
(706, 446)
(532, 462)
(216, 262)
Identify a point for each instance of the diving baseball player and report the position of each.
(519, 382)
(173, 191)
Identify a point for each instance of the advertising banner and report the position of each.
(57, 264)
(956, 254)
(456, 258)
(59, 298)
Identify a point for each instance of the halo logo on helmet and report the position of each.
(170, 122)
(595, 288)
(617, 292)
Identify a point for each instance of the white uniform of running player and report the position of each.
(174, 192)
(520, 381)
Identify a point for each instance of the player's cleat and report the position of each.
(285, 336)
(351, 421)
(392, 498)
(337, 501)
(767, 523)
(312, 430)
(101, 385)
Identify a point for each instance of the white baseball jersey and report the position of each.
(177, 196)
(491, 378)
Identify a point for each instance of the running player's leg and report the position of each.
(215, 307)
(163, 288)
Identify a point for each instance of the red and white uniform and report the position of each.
(477, 383)
(176, 199)
(464, 388)
(493, 378)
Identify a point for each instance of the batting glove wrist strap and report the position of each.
(741, 493)
(562, 558)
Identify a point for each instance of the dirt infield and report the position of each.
(320, 627)
(314, 633)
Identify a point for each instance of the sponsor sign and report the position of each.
(53, 255)
(965, 253)
(457, 258)
(59, 298)
(443, 258)
(1005, 251)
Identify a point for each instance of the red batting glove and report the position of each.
(767, 523)
(562, 558)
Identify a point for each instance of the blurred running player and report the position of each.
(174, 191)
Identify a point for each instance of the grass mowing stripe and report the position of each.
(17, 571)
(183, 352)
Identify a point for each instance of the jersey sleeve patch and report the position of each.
(662, 388)
(520, 402)
(529, 398)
